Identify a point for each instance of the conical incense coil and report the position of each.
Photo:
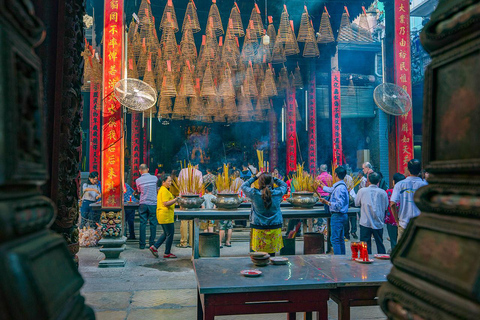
(212, 107)
(87, 67)
(168, 45)
(345, 33)
(264, 54)
(188, 48)
(235, 22)
(214, 14)
(255, 23)
(169, 11)
(230, 50)
(186, 86)
(298, 82)
(132, 29)
(284, 27)
(310, 50)
(303, 31)
(225, 89)
(145, 13)
(259, 75)
(208, 87)
(278, 53)
(249, 49)
(325, 30)
(196, 108)
(364, 34)
(159, 71)
(284, 82)
(231, 111)
(191, 18)
(291, 44)
(210, 51)
(149, 77)
(180, 108)
(245, 107)
(165, 106)
(131, 64)
(259, 115)
(271, 33)
(263, 104)
(168, 83)
(269, 89)
(249, 85)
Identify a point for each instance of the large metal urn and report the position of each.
(190, 201)
(227, 201)
(303, 199)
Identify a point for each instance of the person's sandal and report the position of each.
(154, 251)
(169, 256)
(228, 245)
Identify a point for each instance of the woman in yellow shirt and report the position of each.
(165, 204)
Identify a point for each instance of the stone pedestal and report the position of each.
(112, 248)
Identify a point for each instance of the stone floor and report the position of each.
(157, 288)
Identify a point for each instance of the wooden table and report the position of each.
(304, 285)
(243, 214)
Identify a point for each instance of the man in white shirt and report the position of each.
(403, 193)
(373, 202)
(367, 168)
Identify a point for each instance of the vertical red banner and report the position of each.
(403, 77)
(112, 133)
(336, 119)
(95, 127)
(136, 135)
(273, 138)
(312, 119)
(291, 124)
(145, 144)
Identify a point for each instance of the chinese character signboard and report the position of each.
(336, 119)
(273, 138)
(95, 126)
(312, 121)
(112, 133)
(291, 124)
(404, 123)
(136, 135)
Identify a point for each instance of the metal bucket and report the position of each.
(209, 244)
(288, 247)
(313, 243)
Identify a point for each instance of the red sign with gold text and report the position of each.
(273, 139)
(336, 119)
(312, 121)
(291, 124)
(145, 144)
(112, 138)
(403, 75)
(136, 136)
(95, 127)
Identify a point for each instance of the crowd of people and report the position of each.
(379, 206)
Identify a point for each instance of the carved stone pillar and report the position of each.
(39, 279)
(436, 265)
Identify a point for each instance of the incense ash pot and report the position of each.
(303, 199)
(190, 201)
(227, 201)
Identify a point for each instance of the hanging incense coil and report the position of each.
(149, 77)
(186, 85)
(168, 82)
(310, 49)
(255, 24)
(235, 22)
(212, 107)
(225, 88)
(259, 75)
(264, 54)
(145, 13)
(191, 18)
(278, 53)
(131, 64)
(263, 103)
(168, 45)
(137, 46)
(291, 44)
(142, 60)
(269, 89)
(364, 34)
(180, 108)
(303, 31)
(208, 87)
(250, 46)
(214, 15)
(87, 67)
(210, 51)
(249, 86)
(245, 107)
(166, 22)
(298, 81)
(231, 113)
(284, 27)
(325, 30)
(132, 29)
(188, 48)
(271, 33)
(165, 106)
(345, 33)
(196, 108)
(230, 51)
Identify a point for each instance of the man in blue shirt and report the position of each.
(129, 213)
(147, 209)
(338, 206)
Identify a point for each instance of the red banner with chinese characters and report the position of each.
(291, 124)
(312, 120)
(403, 75)
(112, 133)
(95, 127)
(336, 119)
(136, 136)
(273, 138)
(145, 144)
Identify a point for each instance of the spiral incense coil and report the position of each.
(298, 82)
(145, 13)
(345, 33)
(208, 87)
(159, 71)
(225, 88)
(235, 22)
(142, 60)
(249, 85)
(88, 68)
(278, 53)
(303, 31)
(132, 29)
(186, 85)
(165, 106)
(264, 54)
(263, 104)
(131, 64)
(255, 24)
(269, 89)
(291, 44)
(364, 34)
(245, 107)
(250, 46)
(188, 49)
(259, 75)
(271, 33)
(169, 18)
(180, 108)
(210, 51)
(284, 27)
(168, 83)
(325, 30)
(310, 49)
(191, 18)
(168, 45)
(214, 15)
